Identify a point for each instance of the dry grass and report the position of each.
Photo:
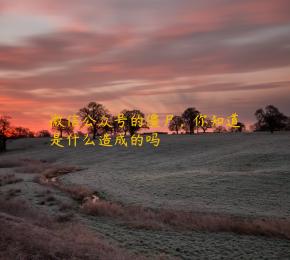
(145, 218)
(9, 179)
(11, 193)
(66, 206)
(141, 217)
(77, 192)
(66, 217)
(56, 171)
(46, 169)
(19, 208)
(24, 165)
(9, 163)
(26, 234)
(48, 172)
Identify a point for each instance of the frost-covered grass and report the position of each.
(27, 234)
(234, 173)
(238, 174)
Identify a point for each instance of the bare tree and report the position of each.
(116, 126)
(287, 128)
(21, 132)
(5, 127)
(63, 126)
(135, 121)
(108, 124)
(240, 127)
(92, 115)
(43, 133)
(270, 119)
(207, 124)
(175, 124)
(189, 116)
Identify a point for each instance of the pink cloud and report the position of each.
(153, 44)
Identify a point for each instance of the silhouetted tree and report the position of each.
(175, 124)
(109, 127)
(116, 125)
(207, 124)
(131, 116)
(63, 126)
(188, 117)
(4, 131)
(287, 127)
(92, 114)
(270, 119)
(80, 134)
(21, 132)
(241, 127)
(43, 133)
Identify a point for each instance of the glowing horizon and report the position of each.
(157, 56)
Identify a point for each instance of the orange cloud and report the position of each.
(163, 55)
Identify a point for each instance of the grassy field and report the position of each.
(193, 197)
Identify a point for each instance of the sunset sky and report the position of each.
(160, 56)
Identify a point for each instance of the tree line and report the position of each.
(268, 119)
(92, 116)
